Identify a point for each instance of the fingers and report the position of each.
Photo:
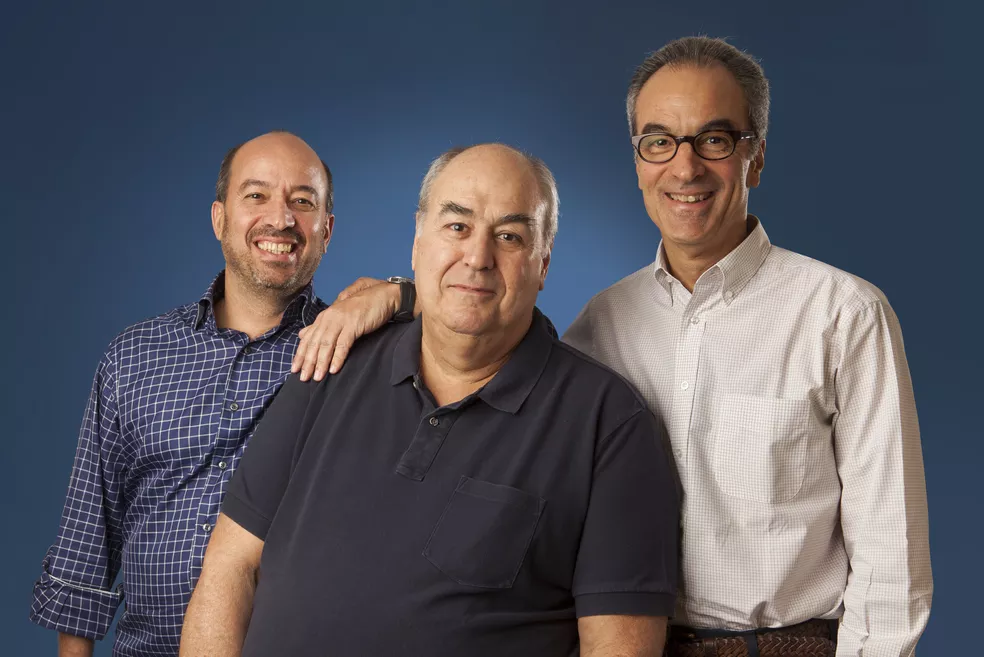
(342, 348)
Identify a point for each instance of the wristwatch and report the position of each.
(408, 298)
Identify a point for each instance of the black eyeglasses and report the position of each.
(659, 147)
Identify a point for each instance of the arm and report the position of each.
(621, 636)
(221, 605)
(70, 645)
(74, 594)
(883, 497)
(626, 575)
(360, 308)
(218, 615)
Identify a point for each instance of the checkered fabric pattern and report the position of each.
(783, 386)
(173, 404)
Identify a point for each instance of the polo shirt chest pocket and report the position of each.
(484, 533)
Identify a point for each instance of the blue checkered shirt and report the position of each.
(173, 404)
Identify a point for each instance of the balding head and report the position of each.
(272, 214)
(547, 206)
(481, 253)
(278, 140)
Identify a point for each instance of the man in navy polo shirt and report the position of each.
(467, 485)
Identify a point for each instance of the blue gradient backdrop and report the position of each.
(115, 118)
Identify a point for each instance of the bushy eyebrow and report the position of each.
(716, 124)
(450, 207)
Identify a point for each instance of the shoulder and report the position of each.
(628, 288)
(152, 333)
(844, 288)
(592, 386)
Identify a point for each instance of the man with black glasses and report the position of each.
(782, 383)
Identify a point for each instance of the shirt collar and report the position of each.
(733, 270)
(301, 307)
(511, 385)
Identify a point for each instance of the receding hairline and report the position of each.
(517, 154)
(229, 162)
(691, 66)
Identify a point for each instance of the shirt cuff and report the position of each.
(73, 608)
(245, 516)
(624, 604)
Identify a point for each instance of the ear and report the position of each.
(416, 232)
(329, 227)
(755, 167)
(218, 219)
(544, 266)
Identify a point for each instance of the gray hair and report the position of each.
(548, 206)
(702, 51)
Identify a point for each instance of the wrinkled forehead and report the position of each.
(494, 181)
(684, 99)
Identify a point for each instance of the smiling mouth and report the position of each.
(278, 248)
(472, 290)
(690, 198)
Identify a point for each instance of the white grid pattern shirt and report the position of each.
(783, 387)
(173, 404)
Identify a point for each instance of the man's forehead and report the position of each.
(690, 96)
(277, 154)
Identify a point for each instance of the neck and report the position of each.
(688, 263)
(250, 311)
(454, 365)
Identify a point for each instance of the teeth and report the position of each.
(275, 247)
(690, 198)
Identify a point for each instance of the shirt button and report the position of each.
(206, 528)
(678, 454)
(695, 320)
(684, 385)
(434, 422)
(729, 295)
(247, 349)
(223, 465)
(233, 406)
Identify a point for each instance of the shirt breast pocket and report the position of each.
(759, 447)
(484, 533)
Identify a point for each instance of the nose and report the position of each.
(686, 166)
(282, 215)
(480, 251)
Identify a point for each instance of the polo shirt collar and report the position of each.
(301, 307)
(511, 385)
(733, 270)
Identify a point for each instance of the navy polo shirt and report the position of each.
(484, 527)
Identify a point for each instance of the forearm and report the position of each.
(218, 614)
(70, 645)
(622, 636)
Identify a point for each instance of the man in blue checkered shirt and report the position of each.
(174, 402)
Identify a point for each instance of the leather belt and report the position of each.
(813, 638)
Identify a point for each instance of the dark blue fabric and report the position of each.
(173, 404)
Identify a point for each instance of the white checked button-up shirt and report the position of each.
(783, 386)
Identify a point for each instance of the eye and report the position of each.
(457, 227)
(510, 237)
(303, 201)
(255, 196)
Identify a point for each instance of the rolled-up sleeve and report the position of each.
(883, 502)
(74, 593)
(628, 555)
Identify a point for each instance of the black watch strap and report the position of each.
(408, 298)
